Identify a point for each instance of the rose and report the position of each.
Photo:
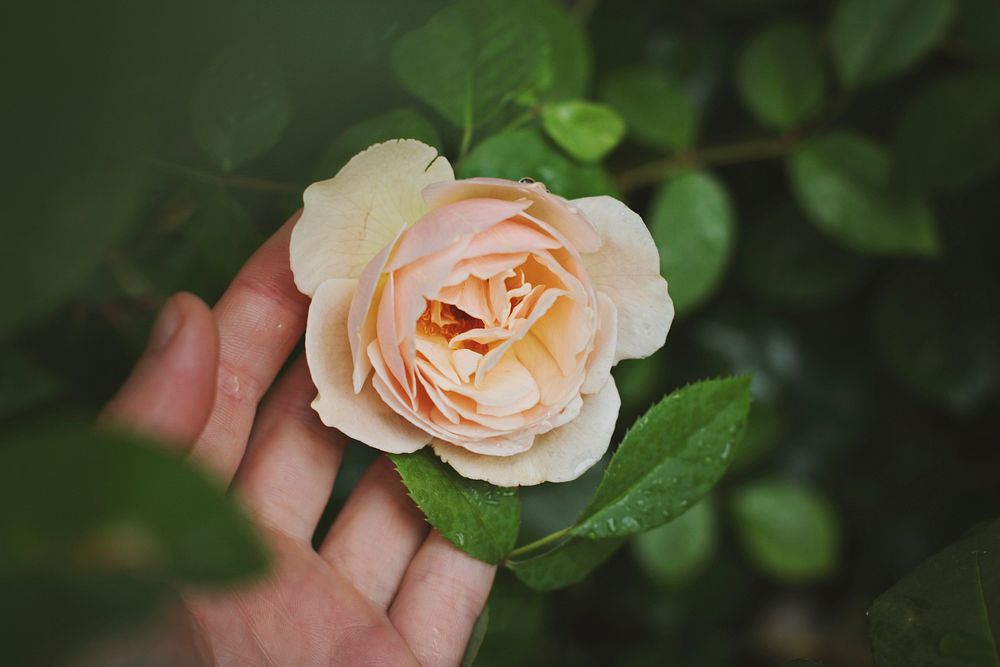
(487, 313)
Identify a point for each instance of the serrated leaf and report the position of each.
(946, 612)
(790, 531)
(656, 109)
(780, 75)
(676, 552)
(525, 153)
(480, 519)
(948, 136)
(692, 224)
(402, 123)
(240, 105)
(874, 39)
(564, 565)
(585, 130)
(841, 181)
(472, 57)
(670, 458)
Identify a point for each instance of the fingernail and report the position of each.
(167, 324)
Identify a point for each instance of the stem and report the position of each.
(711, 156)
(227, 180)
(538, 544)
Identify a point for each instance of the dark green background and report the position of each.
(840, 242)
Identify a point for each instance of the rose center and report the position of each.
(453, 321)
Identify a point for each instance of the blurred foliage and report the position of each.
(821, 178)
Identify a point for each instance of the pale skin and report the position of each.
(382, 589)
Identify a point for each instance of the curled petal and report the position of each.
(363, 416)
(561, 455)
(627, 269)
(348, 219)
(603, 356)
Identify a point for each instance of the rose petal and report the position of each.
(561, 455)
(627, 269)
(555, 210)
(603, 356)
(349, 218)
(362, 416)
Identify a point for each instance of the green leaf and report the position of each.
(402, 123)
(784, 259)
(476, 638)
(524, 153)
(780, 75)
(692, 223)
(874, 39)
(655, 108)
(240, 106)
(946, 612)
(480, 519)
(789, 531)
(978, 25)
(117, 495)
(585, 130)
(939, 334)
(948, 136)
(841, 181)
(472, 57)
(23, 383)
(567, 70)
(567, 564)
(670, 458)
(676, 552)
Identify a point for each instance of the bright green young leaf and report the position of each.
(475, 642)
(525, 153)
(564, 565)
(568, 65)
(480, 519)
(656, 109)
(780, 75)
(23, 382)
(938, 333)
(221, 231)
(240, 105)
(874, 39)
(841, 181)
(784, 259)
(472, 57)
(946, 612)
(949, 135)
(118, 493)
(585, 130)
(789, 531)
(670, 458)
(676, 552)
(692, 224)
(402, 123)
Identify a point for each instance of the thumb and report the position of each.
(171, 391)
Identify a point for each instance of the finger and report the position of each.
(261, 317)
(171, 391)
(442, 594)
(288, 472)
(376, 534)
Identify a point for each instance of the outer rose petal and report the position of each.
(363, 416)
(627, 269)
(561, 455)
(349, 218)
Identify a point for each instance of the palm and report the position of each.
(382, 588)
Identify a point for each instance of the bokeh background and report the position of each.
(821, 178)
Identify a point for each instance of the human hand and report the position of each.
(382, 588)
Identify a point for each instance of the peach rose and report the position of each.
(487, 313)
